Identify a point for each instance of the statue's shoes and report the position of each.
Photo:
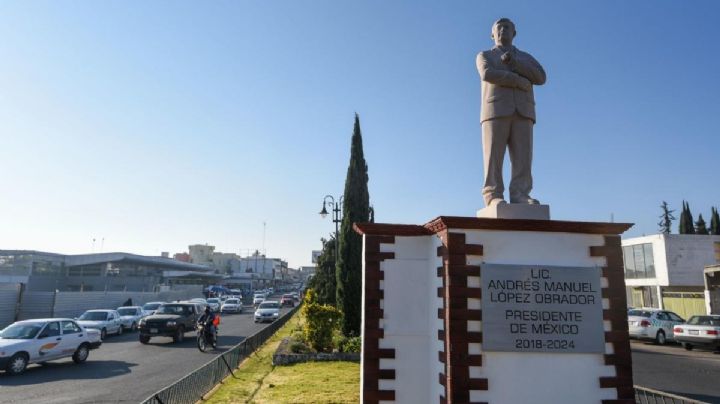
(496, 201)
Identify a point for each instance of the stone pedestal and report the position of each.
(515, 211)
(431, 336)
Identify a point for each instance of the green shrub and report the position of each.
(299, 347)
(350, 344)
(320, 322)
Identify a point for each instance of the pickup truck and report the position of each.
(170, 320)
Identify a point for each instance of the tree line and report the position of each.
(686, 224)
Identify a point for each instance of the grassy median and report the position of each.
(313, 382)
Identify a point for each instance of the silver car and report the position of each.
(42, 340)
(214, 304)
(269, 310)
(105, 321)
(700, 331)
(130, 316)
(232, 305)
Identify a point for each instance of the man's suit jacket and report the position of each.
(501, 94)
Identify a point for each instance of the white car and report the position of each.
(268, 310)
(105, 321)
(150, 307)
(130, 316)
(700, 331)
(214, 303)
(653, 324)
(232, 305)
(42, 340)
(258, 298)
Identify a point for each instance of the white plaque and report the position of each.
(537, 308)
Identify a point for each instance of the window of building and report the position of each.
(85, 270)
(18, 265)
(639, 262)
(47, 268)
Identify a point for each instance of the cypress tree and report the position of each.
(690, 225)
(682, 225)
(714, 221)
(356, 209)
(700, 227)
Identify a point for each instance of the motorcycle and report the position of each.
(204, 335)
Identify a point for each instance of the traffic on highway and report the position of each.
(119, 355)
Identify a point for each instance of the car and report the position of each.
(232, 305)
(105, 321)
(287, 300)
(170, 320)
(130, 316)
(258, 298)
(214, 303)
(150, 307)
(654, 324)
(701, 331)
(268, 310)
(42, 340)
(296, 296)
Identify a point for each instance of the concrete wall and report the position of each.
(406, 322)
(9, 294)
(506, 372)
(687, 256)
(410, 323)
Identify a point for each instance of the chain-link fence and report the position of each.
(191, 388)
(644, 395)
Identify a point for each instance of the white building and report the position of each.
(666, 271)
(201, 254)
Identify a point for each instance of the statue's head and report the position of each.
(503, 32)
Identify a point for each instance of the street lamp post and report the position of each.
(336, 208)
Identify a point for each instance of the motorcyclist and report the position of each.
(208, 321)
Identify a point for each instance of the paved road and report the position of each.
(122, 370)
(671, 368)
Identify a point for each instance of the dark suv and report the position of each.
(170, 320)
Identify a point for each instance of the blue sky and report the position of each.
(155, 125)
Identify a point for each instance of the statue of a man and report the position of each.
(508, 114)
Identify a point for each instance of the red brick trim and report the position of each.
(383, 229)
(456, 315)
(616, 313)
(372, 353)
(453, 222)
(442, 252)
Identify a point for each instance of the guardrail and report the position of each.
(644, 395)
(191, 388)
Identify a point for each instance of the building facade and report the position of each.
(43, 271)
(666, 271)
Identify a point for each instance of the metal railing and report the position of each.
(644, 395)
(191, 388)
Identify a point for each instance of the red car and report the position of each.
(287, 300)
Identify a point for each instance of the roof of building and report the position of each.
(99, 258)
